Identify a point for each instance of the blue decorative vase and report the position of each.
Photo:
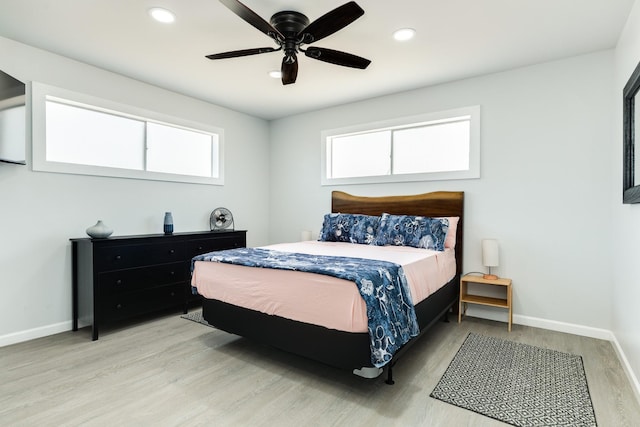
(99, 231)
(168, 223)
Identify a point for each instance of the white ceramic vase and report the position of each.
(99, 230)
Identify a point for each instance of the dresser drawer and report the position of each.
(122, 306)
(134, 279)
(127, 256)
(203, 246)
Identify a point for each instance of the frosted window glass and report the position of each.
(435, 148)
(360, 155)
(87, 137)
(180, 151)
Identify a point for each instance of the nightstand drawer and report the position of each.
(127, 256)
(134, 279)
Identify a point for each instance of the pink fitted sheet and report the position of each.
(314, 298)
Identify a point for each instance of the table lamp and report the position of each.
(490, 257)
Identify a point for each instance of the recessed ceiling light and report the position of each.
(162, 15)
(275, 74)
(404, 34)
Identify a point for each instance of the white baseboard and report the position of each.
(34, 333)
(635, 384)
(569, 328)
(500, 315)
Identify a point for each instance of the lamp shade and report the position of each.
(490, 253)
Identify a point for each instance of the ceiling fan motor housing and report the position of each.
(289, 23)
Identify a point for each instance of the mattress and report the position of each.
(318, 299)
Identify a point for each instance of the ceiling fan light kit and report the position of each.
(291, 30)
(162, 15)
(404, 34)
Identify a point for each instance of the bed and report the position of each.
(341, 347)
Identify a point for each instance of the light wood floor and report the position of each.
(170, 371)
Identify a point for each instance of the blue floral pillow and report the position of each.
(416, 231)
(352, 228)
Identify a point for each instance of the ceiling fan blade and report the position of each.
(289, 70)
(252, 18)
(331, 22)
(336, 57)
(244, 52)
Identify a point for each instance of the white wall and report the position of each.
(626, 218)
(40, 211)
(544, 190)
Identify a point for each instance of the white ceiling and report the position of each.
(455, 39)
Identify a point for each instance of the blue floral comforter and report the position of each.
(383, 286)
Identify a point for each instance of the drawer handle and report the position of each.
(172, 251)
(173, 273)
(119, 282)
(119, 306)
(173, 294)
(118, 257)
(199, 248)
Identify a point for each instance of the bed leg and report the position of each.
(445, 317)
(389, 379)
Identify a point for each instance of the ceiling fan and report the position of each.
(291, 30)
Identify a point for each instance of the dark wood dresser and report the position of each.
(122, 277)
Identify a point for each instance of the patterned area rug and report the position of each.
(196, 316)
(518, 384)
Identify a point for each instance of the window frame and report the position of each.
(41, 92)
(407, 122)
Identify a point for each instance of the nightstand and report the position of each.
(466, 298)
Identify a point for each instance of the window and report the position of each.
(435, 146)
(74, 133)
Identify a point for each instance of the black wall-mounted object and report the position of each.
(630, 183)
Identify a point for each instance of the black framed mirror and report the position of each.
(631, 116)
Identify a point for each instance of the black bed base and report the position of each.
(340, 349)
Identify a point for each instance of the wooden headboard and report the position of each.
(435, 204)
